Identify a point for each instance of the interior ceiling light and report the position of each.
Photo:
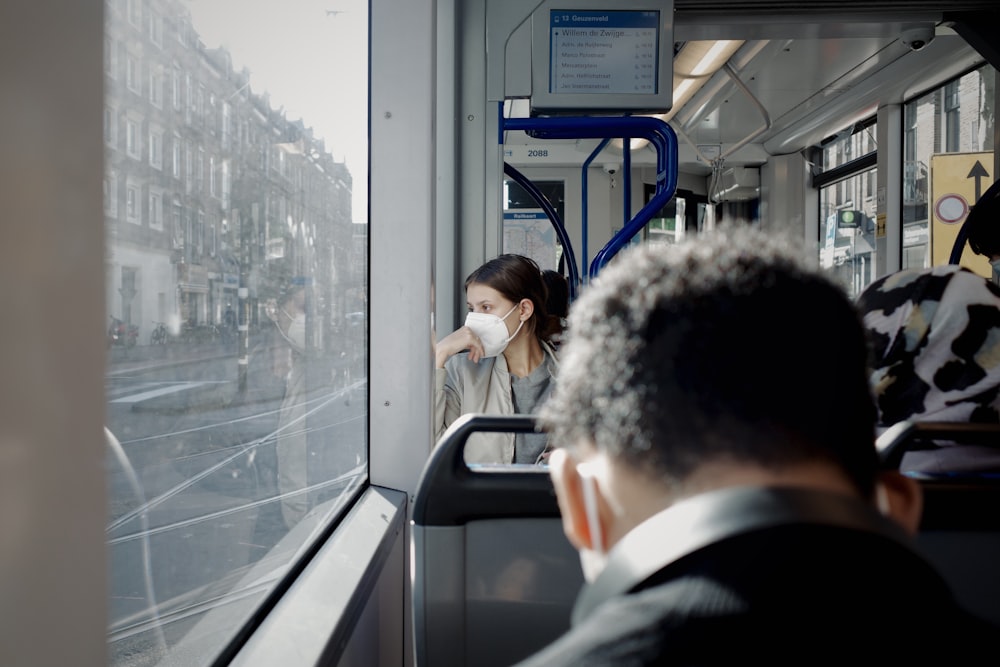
(694, 65)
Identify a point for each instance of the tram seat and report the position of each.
(960, 527)
(494, 577)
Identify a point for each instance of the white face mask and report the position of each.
(492, 331)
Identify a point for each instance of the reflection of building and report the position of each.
(958, 117)
(204, 179)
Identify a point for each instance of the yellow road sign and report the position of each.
(957, 181)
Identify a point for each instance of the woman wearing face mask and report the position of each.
(500, 361)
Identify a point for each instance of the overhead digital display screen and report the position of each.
(600, 57)
(609, 52)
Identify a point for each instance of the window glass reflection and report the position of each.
(236, 260)
(847, 231)
(958, 117)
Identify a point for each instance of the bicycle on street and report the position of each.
(159, 335)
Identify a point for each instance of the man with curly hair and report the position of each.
(716, 469)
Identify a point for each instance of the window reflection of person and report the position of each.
(292, 451)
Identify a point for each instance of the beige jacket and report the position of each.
(462, 387)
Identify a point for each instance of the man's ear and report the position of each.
(569, 492)
(900, 498)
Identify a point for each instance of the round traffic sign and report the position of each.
(951, 208)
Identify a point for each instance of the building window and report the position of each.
(132, 202)
(177, 223)
(175, 157)
(111, 194)
(156, 88)
(225, 178)
(189, 253)
(213, 180)
(133, 144)
(175, 89)
(227, 121)
(199, 170)
(110, 58)
(156, 148)
(199, 234)
(952, 118)
(111, 127)
(155, 28)
(156, 209)
(909, 132)
(182, 31)
(133, 74)
(135, 13)
(189, 96)
(188, 166)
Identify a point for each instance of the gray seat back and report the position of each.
(494, 577)
(960, 527)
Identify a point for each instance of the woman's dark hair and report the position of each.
(983, 223)
(517, 277)
(555, 282)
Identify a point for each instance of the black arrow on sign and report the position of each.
(979, 173)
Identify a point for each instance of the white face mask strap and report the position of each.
(515, 331)
(882, 499)
(520, 323)
(589, 486)
(504, 318)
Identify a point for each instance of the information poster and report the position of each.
(529, 232)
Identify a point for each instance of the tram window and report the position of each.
(685, 213)
(847, 201)
(236, 291)
(957, 117)
(847, 229)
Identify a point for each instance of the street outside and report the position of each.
(193, 468)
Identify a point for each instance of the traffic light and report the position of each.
(851, 219)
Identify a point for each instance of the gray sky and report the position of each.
(311, 62)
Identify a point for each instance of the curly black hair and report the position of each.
(729, 346)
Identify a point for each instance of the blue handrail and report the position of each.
(659, 134)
